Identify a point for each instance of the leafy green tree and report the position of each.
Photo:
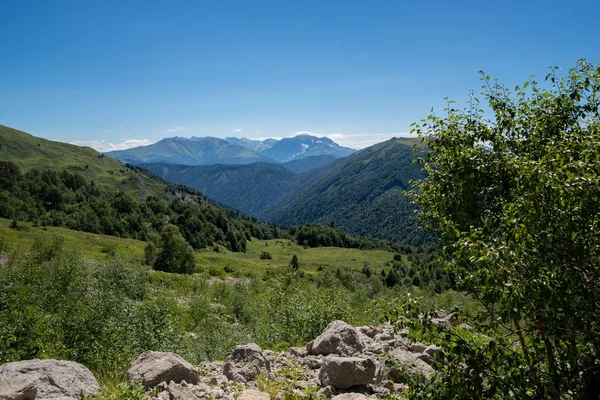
(515, 200)
(170, 252)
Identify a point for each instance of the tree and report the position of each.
(515, 200)
(294, 265)
(169, 252)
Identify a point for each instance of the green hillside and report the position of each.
(30, 152)
(364, 194)
(253, 189)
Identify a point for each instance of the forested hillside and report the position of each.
(253, 189)
(364, 194)
(57, 184)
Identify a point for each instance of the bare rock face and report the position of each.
(338, 338)
(46, 379)
(245, 363)
(153, 367)
(345, 372)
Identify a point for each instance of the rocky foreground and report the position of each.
(344, 361)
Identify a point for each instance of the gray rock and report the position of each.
(338, 338)
(19, 388)
(352, 396)
(46, 379)
(245, 363)
(327, 391)
(417, 347)
(436, 352)
(425, 357)
(153, 367)
(298, 351)
(181, 392)
(345, 372)
(218, 380)
(252, 394)
(406, 362)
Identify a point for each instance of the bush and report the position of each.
(169, 252)
(265, 255)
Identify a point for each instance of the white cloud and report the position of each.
(175, 129)
(104, 146)
(122, 128)
(237, 130)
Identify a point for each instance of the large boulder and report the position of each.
(338, 338)
(153, 367)
(46, 379)
(245, 363)
(407, 362)
(345, 372)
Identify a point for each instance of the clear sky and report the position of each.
(101, 72)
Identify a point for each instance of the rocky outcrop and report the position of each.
(338, 338)
(245, 363)
(345, 372)
(344, 363)
(46, 379)
(153, 367)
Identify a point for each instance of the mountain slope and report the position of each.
(253, 188)
(364, 194)
(58, 184)
(303, 146)
(256, 145)
(29, 152)
(309, 163)
(192, 151)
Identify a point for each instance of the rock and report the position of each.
(19, 388)
(351, 396)
(298, 351)
(163, 396)
(153, 367)
(436, 352)
(245, 363)
(312, 363)
(344, 372)
(338, 338)
(252, 394)
(219, 380)
(407, 362)
(327, 391)
(425, 357)
(466, 327)
(417, 347)
(46, 379)
(181, 392)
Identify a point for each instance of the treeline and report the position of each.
(68, 200)
(318, 235)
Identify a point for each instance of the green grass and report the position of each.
(282, 251)
(98, 247)
(91, 246)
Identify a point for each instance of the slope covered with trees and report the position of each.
(57, 184)
(365, 194)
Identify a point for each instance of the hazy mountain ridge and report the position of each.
(192, 151)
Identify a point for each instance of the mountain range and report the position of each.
(211, 150)
(364, 193)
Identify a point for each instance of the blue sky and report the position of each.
(104, 72)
